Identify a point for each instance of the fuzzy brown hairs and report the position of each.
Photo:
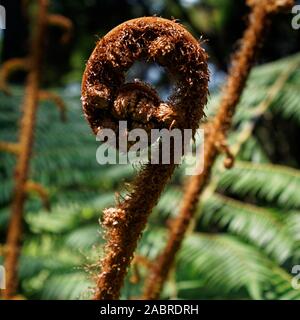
(106, 99)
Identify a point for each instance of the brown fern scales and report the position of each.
(273, 6)
(106, 98)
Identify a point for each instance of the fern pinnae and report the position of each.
(265, 181)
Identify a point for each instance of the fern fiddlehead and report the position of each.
(215, 138)
(106, 99)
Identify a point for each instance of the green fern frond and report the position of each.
(228, 265)
(71, 286)
(263, 228)
(272, 183)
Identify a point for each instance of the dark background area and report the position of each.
(219, 22)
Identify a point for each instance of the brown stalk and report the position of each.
(25, 146)
(26, 136)
(10, 147)
(137, 262)
(64, 23)
(8, 67)
(57, 100)
(107, 99)
(34, 187)
(215, 139)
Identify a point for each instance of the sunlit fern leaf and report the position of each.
(272, 183)
(284, 285)
(67, 216)
(84, 238)
(261, 227)
(32, 265)
(38, 261)
(227, 264)
(287, 103)
(168, 203)
(152, 242)
(70, 285)
(62, 217)
(292, 225)
(262, 78)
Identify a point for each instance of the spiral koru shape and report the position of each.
(106, 98)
